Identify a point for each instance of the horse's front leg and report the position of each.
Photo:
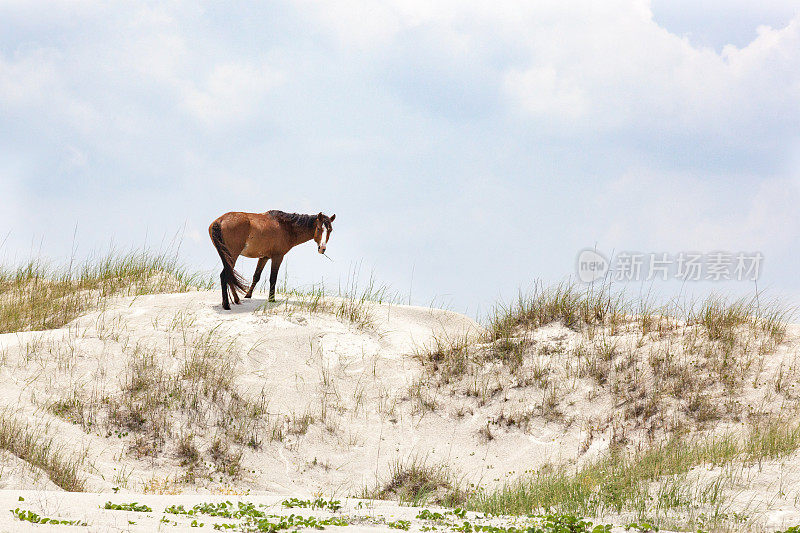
(257, 276)
(273, 276)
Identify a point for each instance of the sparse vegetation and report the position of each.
(568, 303)
(254, 519)
(415, 482)
(350, 303)
(298, 424)
(319, 503)
(670, 372)
(457, 520)
(644, 360)
(32, 444)
(721, 318)
(37, 296)
(160, 409)
(665, 376)
(33, 518)
(133, 506)
(651, 482)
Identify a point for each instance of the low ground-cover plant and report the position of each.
(30, 516)
(294, 522)
(319, 503)
(426, 514)
(133, 506)
(254, 519)
(642, 527)
(226, 509)
(456, 520)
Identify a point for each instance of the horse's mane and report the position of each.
(295, 219)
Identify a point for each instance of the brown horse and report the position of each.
(264, 236)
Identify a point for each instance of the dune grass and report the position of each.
(727, 334)
(670, 369)
(31, 444)
(569, 303)
(39, 296)
(184, 402)
(585, 306)
(504, 341)
(350, 302)
(415, 482)
(650, 483)
(723, 318)
(171, 409)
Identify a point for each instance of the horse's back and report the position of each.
(252, 234)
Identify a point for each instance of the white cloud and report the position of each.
(607, 66)
(654, 210)
(231, 91)
(716, 23)
(636, 76)
(360, 23)
(543, 93)
(409, 118)
(26, 79)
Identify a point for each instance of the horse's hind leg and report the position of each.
(234, 290)
(223, 278)
(257, 276)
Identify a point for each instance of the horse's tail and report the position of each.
(234, 281)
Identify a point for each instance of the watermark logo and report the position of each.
(592, 265)
(683, 266)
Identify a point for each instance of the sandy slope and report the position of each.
(363, 388)
(286, 356)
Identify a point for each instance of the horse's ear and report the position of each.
(333, 217)
(320, 217)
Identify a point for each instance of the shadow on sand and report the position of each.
(250, 305)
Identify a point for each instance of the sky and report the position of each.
(468, 148)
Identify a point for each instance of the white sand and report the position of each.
(356, 384)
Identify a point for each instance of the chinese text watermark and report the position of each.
(683, 266)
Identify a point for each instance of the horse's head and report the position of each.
(322, 231)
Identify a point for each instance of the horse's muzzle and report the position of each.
(321, 249)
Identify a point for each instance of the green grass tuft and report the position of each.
(647, 483)
(571, 304)
(38, 296)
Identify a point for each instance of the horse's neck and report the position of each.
(302, 234)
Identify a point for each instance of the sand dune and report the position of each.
(301, 363)
(168, 394)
